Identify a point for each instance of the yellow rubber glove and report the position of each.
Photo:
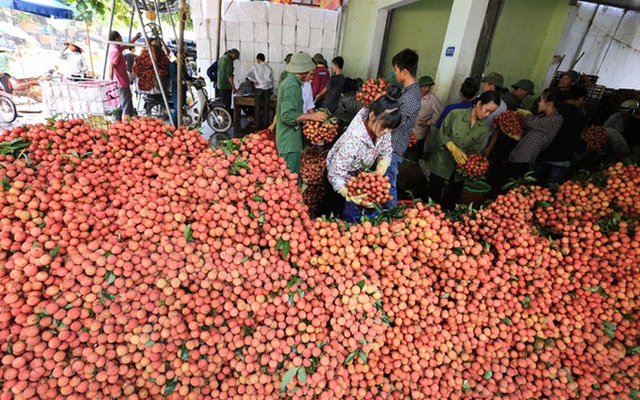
(458, 155)
(272, 127)
(523, 111)
(343, 191)
(382, 166)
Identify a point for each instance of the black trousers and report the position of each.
(261, 109)
(333, 202)
(225, 96)
(454, 191)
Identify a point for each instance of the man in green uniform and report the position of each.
(225, 83)
(521, 89)
(284, 72)
(289, 113)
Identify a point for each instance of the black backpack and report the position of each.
(212, 72)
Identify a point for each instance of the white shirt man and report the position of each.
(261, 75)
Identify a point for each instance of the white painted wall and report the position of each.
(463, 32)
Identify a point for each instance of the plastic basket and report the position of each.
(476, 192)
(96, 101)
(406, 203)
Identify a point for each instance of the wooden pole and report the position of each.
(180, 61)
(219, 28)
(93, 74)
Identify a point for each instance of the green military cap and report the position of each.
(494, 78)
(300, 63)
(319, 59)
(628, 106)
(573, 75)
(235, 52)
(524, 84)
(426, 81)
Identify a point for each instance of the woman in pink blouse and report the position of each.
(365, 142)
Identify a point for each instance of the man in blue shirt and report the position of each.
(468, 91)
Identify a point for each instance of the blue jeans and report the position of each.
(352, 212)
(174, 114)
(392, 173)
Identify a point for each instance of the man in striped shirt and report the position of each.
(405, 66)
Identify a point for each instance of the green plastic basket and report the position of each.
(475, 192)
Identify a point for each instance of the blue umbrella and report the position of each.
(46, 8)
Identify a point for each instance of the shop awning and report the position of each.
(46, 8)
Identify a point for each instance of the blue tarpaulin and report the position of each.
(46, 8)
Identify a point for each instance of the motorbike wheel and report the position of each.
(8, 111)
(155, 110)
(219, 119)
(217, 138)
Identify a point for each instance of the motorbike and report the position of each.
(199, 107)
(153, 105)
(28, 87)
(8, 111)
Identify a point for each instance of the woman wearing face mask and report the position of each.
(365, 142)
(539, 131)
(463, 131)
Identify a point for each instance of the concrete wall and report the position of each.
(359, 29)
(463, 33)
(523, 47)
(420, 26)
(525, 39)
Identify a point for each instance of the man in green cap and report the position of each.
(225, 83)
(521, 89)
(626, 110)
(289, 113)
(320, 76)
(284, 73)
(493, 81)
(570, 78)
(430, 110)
